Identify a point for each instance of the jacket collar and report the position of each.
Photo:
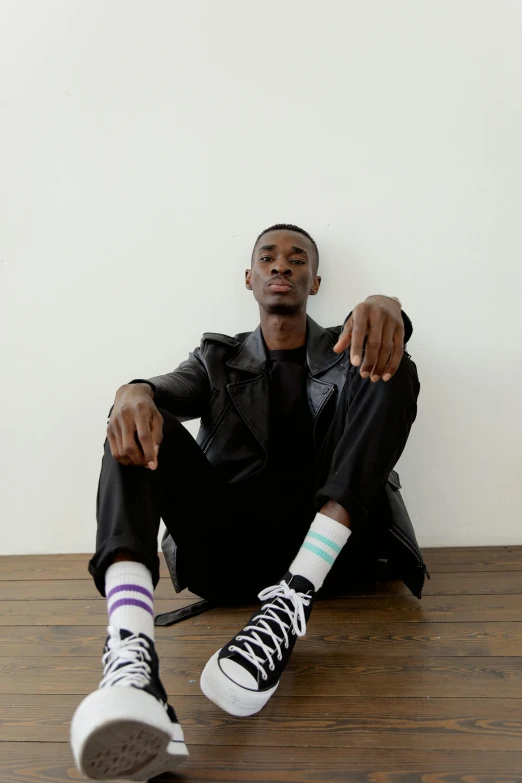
(252, 357)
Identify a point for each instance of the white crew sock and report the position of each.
(322, 544)
(130, 597)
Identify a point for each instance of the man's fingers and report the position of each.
(115, 433)
(157, 428)
(372, 349)
(345, 337)
(377, 338)
(116, 430)
(131, 450)
(359, 332)
(144, 432)
(113, 443)
(385, 353)
(157, 435)
(398, 351)
(135, 432)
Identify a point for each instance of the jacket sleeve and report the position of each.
(185, 391)
(408, 326)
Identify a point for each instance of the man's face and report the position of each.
(283, 276)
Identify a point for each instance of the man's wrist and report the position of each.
(140, 387)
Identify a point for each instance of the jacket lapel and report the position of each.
(320, 358)
(250, 395)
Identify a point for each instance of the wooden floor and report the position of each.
(384, 688)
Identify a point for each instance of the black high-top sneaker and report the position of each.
(126, 729)
(242, 676)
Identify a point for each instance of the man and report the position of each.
(300, 429)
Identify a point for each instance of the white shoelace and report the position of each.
(297, 623)
(133, 649)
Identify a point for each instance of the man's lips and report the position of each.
(280, 285)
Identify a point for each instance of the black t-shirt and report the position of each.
(290, 444)
(282, 490)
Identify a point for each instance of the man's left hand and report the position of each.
(378, 320)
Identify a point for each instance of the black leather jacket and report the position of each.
(223, 382)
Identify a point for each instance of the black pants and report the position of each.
(230, 544)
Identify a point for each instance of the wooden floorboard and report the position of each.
(443, 559)
(305, 676)
(375, 639)
(352, 721)
(474, 583)
(358, 609)
(384, 688)
(40, 762)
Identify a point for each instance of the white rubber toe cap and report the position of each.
(232, 697)
(238, 674)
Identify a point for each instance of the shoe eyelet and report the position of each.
(265, 676)
(272, 668)
(280, 658)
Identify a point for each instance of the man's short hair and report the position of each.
(290, 227)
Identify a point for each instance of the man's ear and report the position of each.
(248, 281)
(315, 285)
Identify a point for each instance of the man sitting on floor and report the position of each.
(301, 427)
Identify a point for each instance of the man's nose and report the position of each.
(281, 267)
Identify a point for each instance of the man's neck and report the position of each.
(283, 332)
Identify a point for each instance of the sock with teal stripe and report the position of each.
(322, 544)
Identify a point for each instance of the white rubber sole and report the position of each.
(229, 696)
(123, 732)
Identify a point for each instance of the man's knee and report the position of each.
(172, 432)
(171, 424)
(401, 390)
(176, 437)
(405, 381)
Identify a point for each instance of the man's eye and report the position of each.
(294, 260)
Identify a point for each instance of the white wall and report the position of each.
(143, 145)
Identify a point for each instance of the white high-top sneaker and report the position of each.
(126, 728)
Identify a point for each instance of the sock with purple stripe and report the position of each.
(130, 599)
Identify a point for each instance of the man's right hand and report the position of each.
(135, 421)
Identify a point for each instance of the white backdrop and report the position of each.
(143, 145)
